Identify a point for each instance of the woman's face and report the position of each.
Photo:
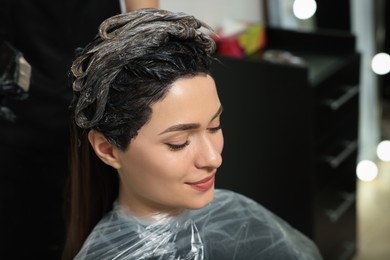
(172, 162)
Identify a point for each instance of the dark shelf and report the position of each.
(290, 133)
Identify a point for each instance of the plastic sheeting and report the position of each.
(232, 226)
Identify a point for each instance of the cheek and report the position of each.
(159, 164)
(148, 175)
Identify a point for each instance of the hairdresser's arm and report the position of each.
(137, 4)
(6, 24)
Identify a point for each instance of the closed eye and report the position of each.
(214, 129)
(177, 147)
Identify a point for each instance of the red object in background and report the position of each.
(229, 46)
(242, 43)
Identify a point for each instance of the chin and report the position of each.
(202, 200)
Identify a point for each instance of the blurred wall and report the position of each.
(214, 12)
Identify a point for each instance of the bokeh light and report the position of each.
(383, 151)
(380, 63)
(366, 170)
(304, 9)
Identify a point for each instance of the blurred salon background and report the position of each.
(305, 86)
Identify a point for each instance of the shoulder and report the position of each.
(238, 207)
(244, 224)
(102, 243)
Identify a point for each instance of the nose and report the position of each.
(208, 155)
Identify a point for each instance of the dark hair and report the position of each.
(129, 66)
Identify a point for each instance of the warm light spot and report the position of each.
(380, 64)
(366, 170)
(304, 9)
(383, 151)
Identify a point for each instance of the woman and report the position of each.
(147, 143)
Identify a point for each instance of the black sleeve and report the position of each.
(6, 20)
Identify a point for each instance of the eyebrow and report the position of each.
(191, 126)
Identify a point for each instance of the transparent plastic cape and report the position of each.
(232, 226)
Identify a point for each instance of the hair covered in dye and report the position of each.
(131, 64)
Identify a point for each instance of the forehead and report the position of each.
(187, 100)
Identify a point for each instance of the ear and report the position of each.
(103, 149)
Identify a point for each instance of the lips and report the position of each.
(204, 184)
